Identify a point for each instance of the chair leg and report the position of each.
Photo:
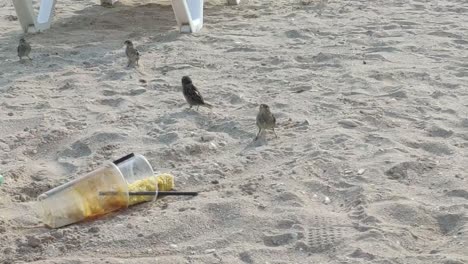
(189, 15)
(25, 12)
(46, 15)
(233, 2)
(108, 2)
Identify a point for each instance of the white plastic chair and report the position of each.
(188, 13)
(28, 20)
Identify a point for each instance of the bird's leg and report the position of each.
(197, 107)
(258, 134)
(275, 133)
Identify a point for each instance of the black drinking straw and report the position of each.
(164, 193)
(124, 158)
(154, 193)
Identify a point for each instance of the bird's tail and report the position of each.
(207, 105)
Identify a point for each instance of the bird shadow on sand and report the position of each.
(186, 112)
(256, 143)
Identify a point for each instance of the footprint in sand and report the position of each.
(112, 102)
(288, 199)
(452, 224)
(437, 148)
(400, 170)
(76, 150)
(436, 131)
(245, 257)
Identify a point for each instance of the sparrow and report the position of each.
(192, 95)
(24, 49)
(132, 54)
(265, 120)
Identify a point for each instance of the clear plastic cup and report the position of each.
(106, 189)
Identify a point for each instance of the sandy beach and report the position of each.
(370, 164)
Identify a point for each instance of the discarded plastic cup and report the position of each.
(101, 191)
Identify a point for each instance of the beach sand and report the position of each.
(370, 164)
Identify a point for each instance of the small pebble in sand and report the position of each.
(361, 171)
(348, 123)
(58, 234)
(33, 241)
(206, 138)
(212, 146)
(326, 200)
(93, 229)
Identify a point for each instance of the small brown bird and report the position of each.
(265, 120)
(24, 49)
(132, 54)
(192, 95)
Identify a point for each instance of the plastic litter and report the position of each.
(125, 182)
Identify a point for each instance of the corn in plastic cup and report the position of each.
(99, 192)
